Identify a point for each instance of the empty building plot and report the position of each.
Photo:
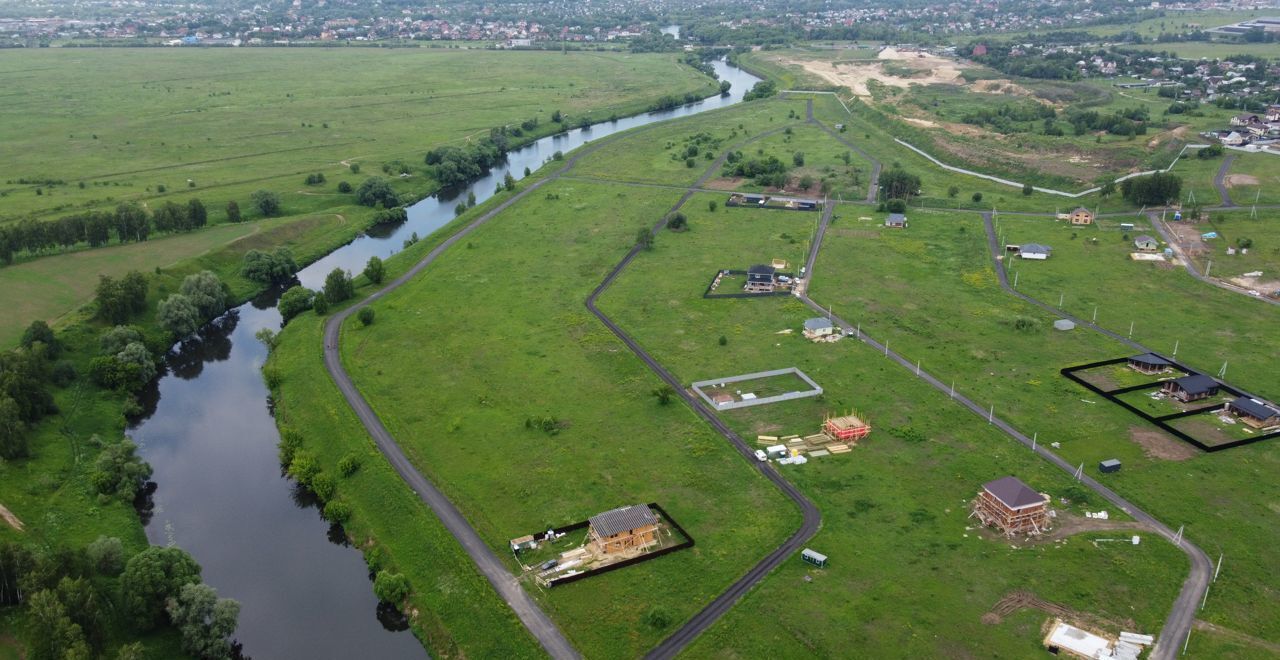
(756, 389)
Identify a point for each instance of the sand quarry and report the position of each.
(855, 75)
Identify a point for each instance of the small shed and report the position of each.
(1191, 388)
(1081, 216)
(1034, 251)
(816, 558)
(1064, 324)
(1108, 466)
(1149, 363)
(1253, 412)
(896, 220)
(776, 451)
(818, 327)
(1128, 226)
(1145, 243)
(524, 543)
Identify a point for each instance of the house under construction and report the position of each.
(847, 428)
(1012, 507)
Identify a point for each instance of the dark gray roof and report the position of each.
(818, 323)
(897, 217)
(1151, 359)
(622, 519)
(761, 269)
(1035, 247)
(1254, 408)
(1013, 493)
(1196, 384)
(1144, 239)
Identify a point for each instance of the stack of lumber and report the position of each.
(839, 448)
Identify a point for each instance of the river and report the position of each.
(210, 438)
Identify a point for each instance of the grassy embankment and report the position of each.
(930, 291)
(894, 510)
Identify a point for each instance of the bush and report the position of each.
(323, 486)
(344, 187)
(269, 267)
(337, 286)
(348, 465)
(295, 301)
(267, 202)
(390, 587)
(677, 221)
(365, 315)
(375, 270)
(355, 168)
(314, 179)
(337, 511)
(63, 374)
(977, 197)
(39, 331)
(896, 206)
(1027, 189)
(178, 315)
(658, 617)
(375, 190)
(106, 554)
(206, 292)
(119, 471)
(320, 305)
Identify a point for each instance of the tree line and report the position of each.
(74, 598)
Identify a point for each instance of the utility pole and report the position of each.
(1095, 313)
(1015, 279)
(1060, 297)
(1130, 329)
(1175, 347)
(1208, 268)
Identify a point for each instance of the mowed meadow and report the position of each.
(126, 121)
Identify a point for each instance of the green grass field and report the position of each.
(126, 121)
(894, 510)
(528, 349)
(931, 293)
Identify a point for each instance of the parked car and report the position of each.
(549, 564)
(760, 455)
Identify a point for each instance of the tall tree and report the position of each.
(205, 621)
(152, 577)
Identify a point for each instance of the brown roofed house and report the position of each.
(1012, 507)
(1081, 216)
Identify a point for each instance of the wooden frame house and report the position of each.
(848, 428)
(1145, 243)
(1012, 507)
(624, 528)
(1149, 363)
(1191, 388)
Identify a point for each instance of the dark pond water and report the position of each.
(220, 495)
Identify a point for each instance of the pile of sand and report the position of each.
(929, 70)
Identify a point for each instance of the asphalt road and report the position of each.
(1220, 183)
